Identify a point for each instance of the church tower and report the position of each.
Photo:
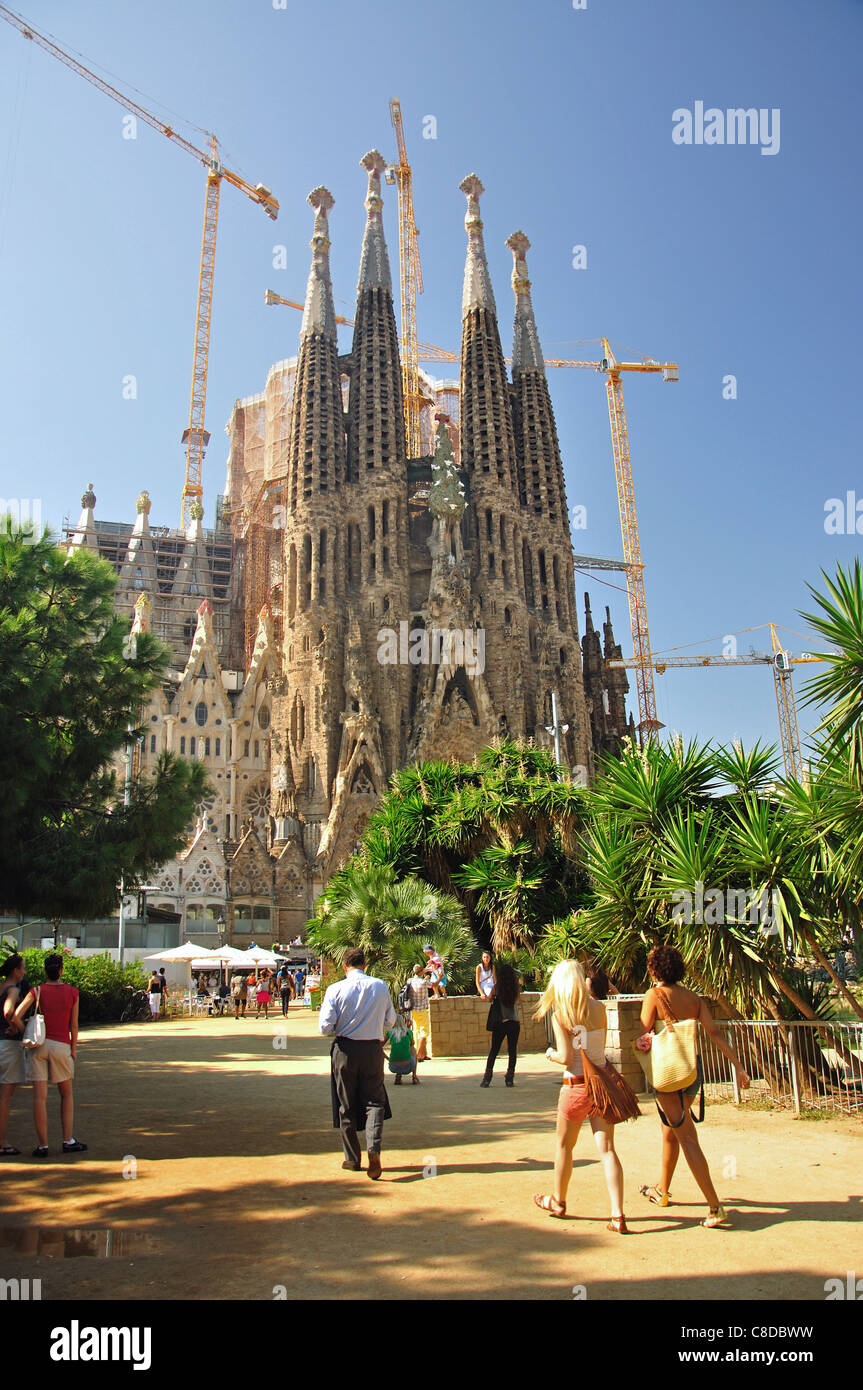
(305, 735)
(548, 574)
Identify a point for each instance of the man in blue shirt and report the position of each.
(357, 1012)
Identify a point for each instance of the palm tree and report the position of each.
(840, 622)
(500, 834)
(391, 920)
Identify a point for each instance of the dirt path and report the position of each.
(239, 1184)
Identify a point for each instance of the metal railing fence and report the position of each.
(797, 1066)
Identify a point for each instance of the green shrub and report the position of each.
(102, 983)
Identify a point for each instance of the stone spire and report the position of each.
(85, 533)
(540, 467)
(319, 315)
(477, 293)
(487, 445)
(317, 443)
(374, 261)
(138, 570)
(376, 426)
(526, 350)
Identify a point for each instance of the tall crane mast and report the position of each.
(783, 663)
(411, 285)
(195, 436)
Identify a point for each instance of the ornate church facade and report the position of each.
(355, 609)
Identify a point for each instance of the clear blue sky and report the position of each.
(727, 260)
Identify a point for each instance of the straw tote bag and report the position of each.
(672, 1062)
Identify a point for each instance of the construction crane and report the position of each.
(783, 663)
(411, 285)
(195, 436)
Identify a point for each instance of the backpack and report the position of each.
(406, 998)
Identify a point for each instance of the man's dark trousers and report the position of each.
(359, 1094)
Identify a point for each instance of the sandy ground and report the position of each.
(237, 1181)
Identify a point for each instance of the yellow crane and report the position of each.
(411, 285)
(783, 663)
(195, 436)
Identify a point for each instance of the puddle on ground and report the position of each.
(71, 1243)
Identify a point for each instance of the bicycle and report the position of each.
(138, 1008)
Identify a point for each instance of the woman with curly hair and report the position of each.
(669, 1001)
(579, 1022)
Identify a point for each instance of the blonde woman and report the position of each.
(579, 1021)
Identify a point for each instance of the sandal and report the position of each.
(9, 1151)
(717, 1216)
(550, 1204)
(653, 1194)
(618, 1225)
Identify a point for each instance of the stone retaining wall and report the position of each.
(457, 1026)
(457, 1029)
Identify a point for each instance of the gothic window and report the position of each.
(264, 717)
(182, 747)
(201, 714)
(257, 803)
(152, 743)
(206, 748)
(218, 747)
(192, 743)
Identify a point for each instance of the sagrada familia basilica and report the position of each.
(354, 609)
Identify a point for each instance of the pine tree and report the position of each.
(72, 685)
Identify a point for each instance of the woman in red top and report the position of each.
(54, 1061)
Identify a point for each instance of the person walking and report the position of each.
(12, 1070)
(670, 1002)
(286, 991)
(485, 976)
(357, 1012)
(503, 1022)
(239, 994)
(262, 993)
(54, 1060)
(579, 1024)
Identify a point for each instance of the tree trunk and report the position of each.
(792, 994)
(825, 965)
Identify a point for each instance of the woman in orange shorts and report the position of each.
(579, 1021)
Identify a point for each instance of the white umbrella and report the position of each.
(185, 952)
(251, 960)
(260, 957)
